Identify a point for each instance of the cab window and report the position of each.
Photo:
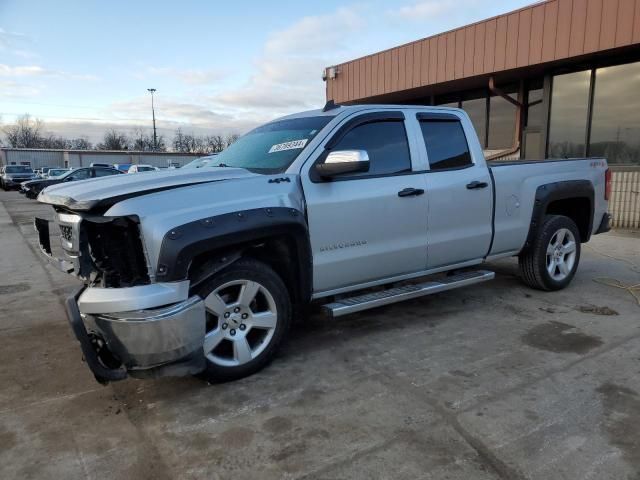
(446, 144)
(386, 144)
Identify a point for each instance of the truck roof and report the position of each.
(354, 108)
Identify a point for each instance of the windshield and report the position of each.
(55, 172)
(272, 147)
(66, 174)
(200, 162)
(146, 169)
(18, 169)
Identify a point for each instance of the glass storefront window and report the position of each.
(569, 109)
(477, 111)
(502, 123)
(535, 113)
(615, 128)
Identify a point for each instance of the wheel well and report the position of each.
(279, 252)
(578, 210)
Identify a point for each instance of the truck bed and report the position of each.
(515, 184)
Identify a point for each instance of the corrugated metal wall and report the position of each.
(84, 158)
(624, 204)
(541, 33)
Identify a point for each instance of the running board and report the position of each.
(349, 305)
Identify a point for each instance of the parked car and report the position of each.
(142, 168)
(56, 172)
(201, 162)
(11, 176)
(96, 164)
(43, 172)
(32, 188)
(200, 271)
(123, 167)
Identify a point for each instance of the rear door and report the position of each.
(368, 226)
(459, 190)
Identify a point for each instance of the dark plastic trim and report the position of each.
(182, 244)
(443, 117)
(360, 120)
(605, 224)
(551, 192)
(103, 374)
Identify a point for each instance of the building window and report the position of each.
(502, 122)
(532, 141)
(615, 127)
(477, 111)
(535, 107)
(569, 111)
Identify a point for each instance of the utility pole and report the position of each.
(153, 113)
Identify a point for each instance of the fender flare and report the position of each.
(551, 192)
(182, 244)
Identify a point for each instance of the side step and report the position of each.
(407, 292)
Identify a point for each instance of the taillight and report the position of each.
(607, 184)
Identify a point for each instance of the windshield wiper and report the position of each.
(223, 165)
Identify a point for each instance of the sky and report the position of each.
(84, 66)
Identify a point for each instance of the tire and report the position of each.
(243, 334)
(552, 260)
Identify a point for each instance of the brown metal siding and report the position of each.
(540, 33)
(490, 46)
(478, 52)
(535, 40)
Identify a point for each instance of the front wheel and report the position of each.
(552, 260)
(248, 316)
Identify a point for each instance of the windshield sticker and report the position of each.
(293, 145)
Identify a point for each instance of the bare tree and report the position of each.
(189, 143)
(26, 132)
(215, 143)
(80, 143)
(231, 138)
(114, 140)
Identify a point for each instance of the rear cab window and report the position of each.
(445, 142)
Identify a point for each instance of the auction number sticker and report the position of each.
(293, 145)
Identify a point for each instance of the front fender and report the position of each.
(182, 244)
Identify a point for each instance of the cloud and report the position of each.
(425, 10)
(11, 89)
(188, 76)
(37, 71)
(21, 71)
(287, 75)
(11, 39)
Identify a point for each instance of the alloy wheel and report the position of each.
(561, 254)
(241, 320)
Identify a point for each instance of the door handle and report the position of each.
(410, 192)
(476, 185)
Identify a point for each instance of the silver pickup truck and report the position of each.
(201, 270)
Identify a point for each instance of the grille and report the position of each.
(66, 232)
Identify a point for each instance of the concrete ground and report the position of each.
(496, 381)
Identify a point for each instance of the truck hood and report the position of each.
(86, 195)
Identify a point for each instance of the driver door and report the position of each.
(367, 226)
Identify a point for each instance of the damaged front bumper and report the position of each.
(141, 331)
(154, 342)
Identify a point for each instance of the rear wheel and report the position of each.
(552, 260)
(248, 315)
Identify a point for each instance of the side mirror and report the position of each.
(343, 161)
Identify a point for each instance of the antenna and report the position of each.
(330, 105)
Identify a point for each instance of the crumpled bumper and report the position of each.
(165, 341)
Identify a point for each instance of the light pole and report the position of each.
(153, 113)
